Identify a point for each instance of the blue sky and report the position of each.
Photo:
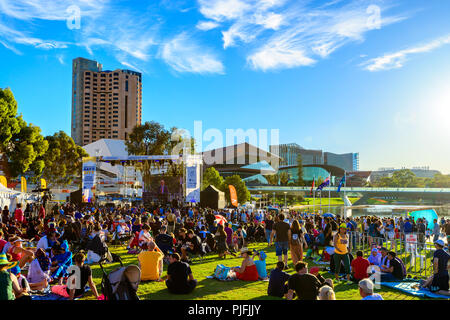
(343, 76)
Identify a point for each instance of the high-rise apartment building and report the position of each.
(105, 104)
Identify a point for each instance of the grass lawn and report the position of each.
(325, 202)
(210, 289)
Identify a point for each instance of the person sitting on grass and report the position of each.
(18, 253)
(260, 263)
(145, 235)
(366, 287)
(394, 272)
(194, 243)
(61, 260)
(326, 293)
(70, 290)
(247, 271)
(277, 281)
(375, 258)
(151, 262)
(359, 267)
(39, 272)
(9, 285)
(439, 281)
(304, 284)
(180, 279)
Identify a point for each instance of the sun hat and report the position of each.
(440, 243)
(246, 250)
(374, 250)
(4, 262)
(343, 225)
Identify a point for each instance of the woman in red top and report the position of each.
(247, 271)
(18, 253)
(18, 213)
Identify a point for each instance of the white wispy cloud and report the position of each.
(50, 9)
(184, 55)
(287, 34)
(397, 59)
(207, 25)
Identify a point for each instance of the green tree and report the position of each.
(300, 181)
(241, 189)
(151, 138)
(272, 179)
(284, 178)
(212, 177)
(63, 160)
(25, 150)
(439, 181)
(9, 121)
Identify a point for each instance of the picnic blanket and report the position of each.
(407, 287)
(49, 296)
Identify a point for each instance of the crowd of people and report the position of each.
(37, 250)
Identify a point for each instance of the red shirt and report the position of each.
(42, 213)
(18, 215)
(359, 267)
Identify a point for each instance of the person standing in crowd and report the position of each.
(366, 287)
(268, 223)
(340, 241)
(18, 214)
(296, 242)
(280, 232)
(436, 231)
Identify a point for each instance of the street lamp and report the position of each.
(285, 199)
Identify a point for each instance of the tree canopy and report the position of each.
(63, 159)
(22, 143)
(212, 177)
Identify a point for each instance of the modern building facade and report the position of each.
(105, 104)
(289, 153)
(243, 159)
(346, 161)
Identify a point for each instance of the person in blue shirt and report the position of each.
(61, 260)
(375, 257)
(407, 227)
(366, 287)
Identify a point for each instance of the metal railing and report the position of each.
(416, 255)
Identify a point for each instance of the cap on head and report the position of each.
(439, 243)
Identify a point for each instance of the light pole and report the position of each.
(285, 199)
(274, 198)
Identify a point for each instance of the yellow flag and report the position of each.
(3, 181)
(23, 184)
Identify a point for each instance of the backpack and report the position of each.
(222, 272)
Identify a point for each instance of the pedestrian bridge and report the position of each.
(439, 194)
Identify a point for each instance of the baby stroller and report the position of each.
(122, 283)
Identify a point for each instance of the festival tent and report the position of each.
(212, 198)
(10, 198)
(429, 215)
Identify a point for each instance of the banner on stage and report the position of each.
(88, 178)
